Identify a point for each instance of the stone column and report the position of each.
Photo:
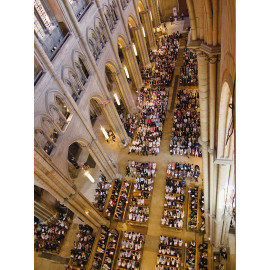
(212, 166)
(132, 66)
(65, 191)
(61, 85)
(223, 176)
(148, 27)
(95, 150)
(155, 12)
(141, 45)
(203, 92)
(122, 85)
(67, 10)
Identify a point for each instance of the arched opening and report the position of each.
(123, 58)
(87, 175)
(114, 89)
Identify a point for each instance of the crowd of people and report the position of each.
(130, 124)
(193, 209)
(122, 201)
(49, 237)
(203, 259)
(186, 125)
(106, 247)
(141, 169)
(170, 253)
(173, 213)
(82, 248)
(183, 171)
(131, 251)
(190, 260)
(143, 184)
(113, 198)
(110, 250)
(202, 225)
(142, 190)
(163, 60)
(189, 69)
(102, 190)
(151, 117)
(138, 210)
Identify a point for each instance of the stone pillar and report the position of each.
(148, 27)
(67, 10)
(204, 146)
(61, 85)
(212, 166)
(203, 92)
(65, 191)
(95, 150)
(43, 211)
(155, 12)
(141, 45)
(122, 85)
(223, 175)
(132, 66)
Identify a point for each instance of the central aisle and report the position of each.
(154, 229)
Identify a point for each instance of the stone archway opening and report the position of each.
(115, 93)
(87, 175)
(132, 24)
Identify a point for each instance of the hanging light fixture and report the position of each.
(126, 71)
(104, 132)
(135, 50)
(89, 176)
(143, 31)
(117, 99)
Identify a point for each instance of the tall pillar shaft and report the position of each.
(141, 45)
(122, 85)
(65, 192)
(212, 166)
(148, 27)
(203, 92)
(155, 12)
(95, 150)
(133, 66)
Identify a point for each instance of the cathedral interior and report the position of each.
(134, 134)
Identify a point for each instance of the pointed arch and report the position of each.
(122, 41)
(81, 65)
(132, 22)
(71, 79)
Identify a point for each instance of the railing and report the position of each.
(38, 77)
(84, 10)
(59, 46)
